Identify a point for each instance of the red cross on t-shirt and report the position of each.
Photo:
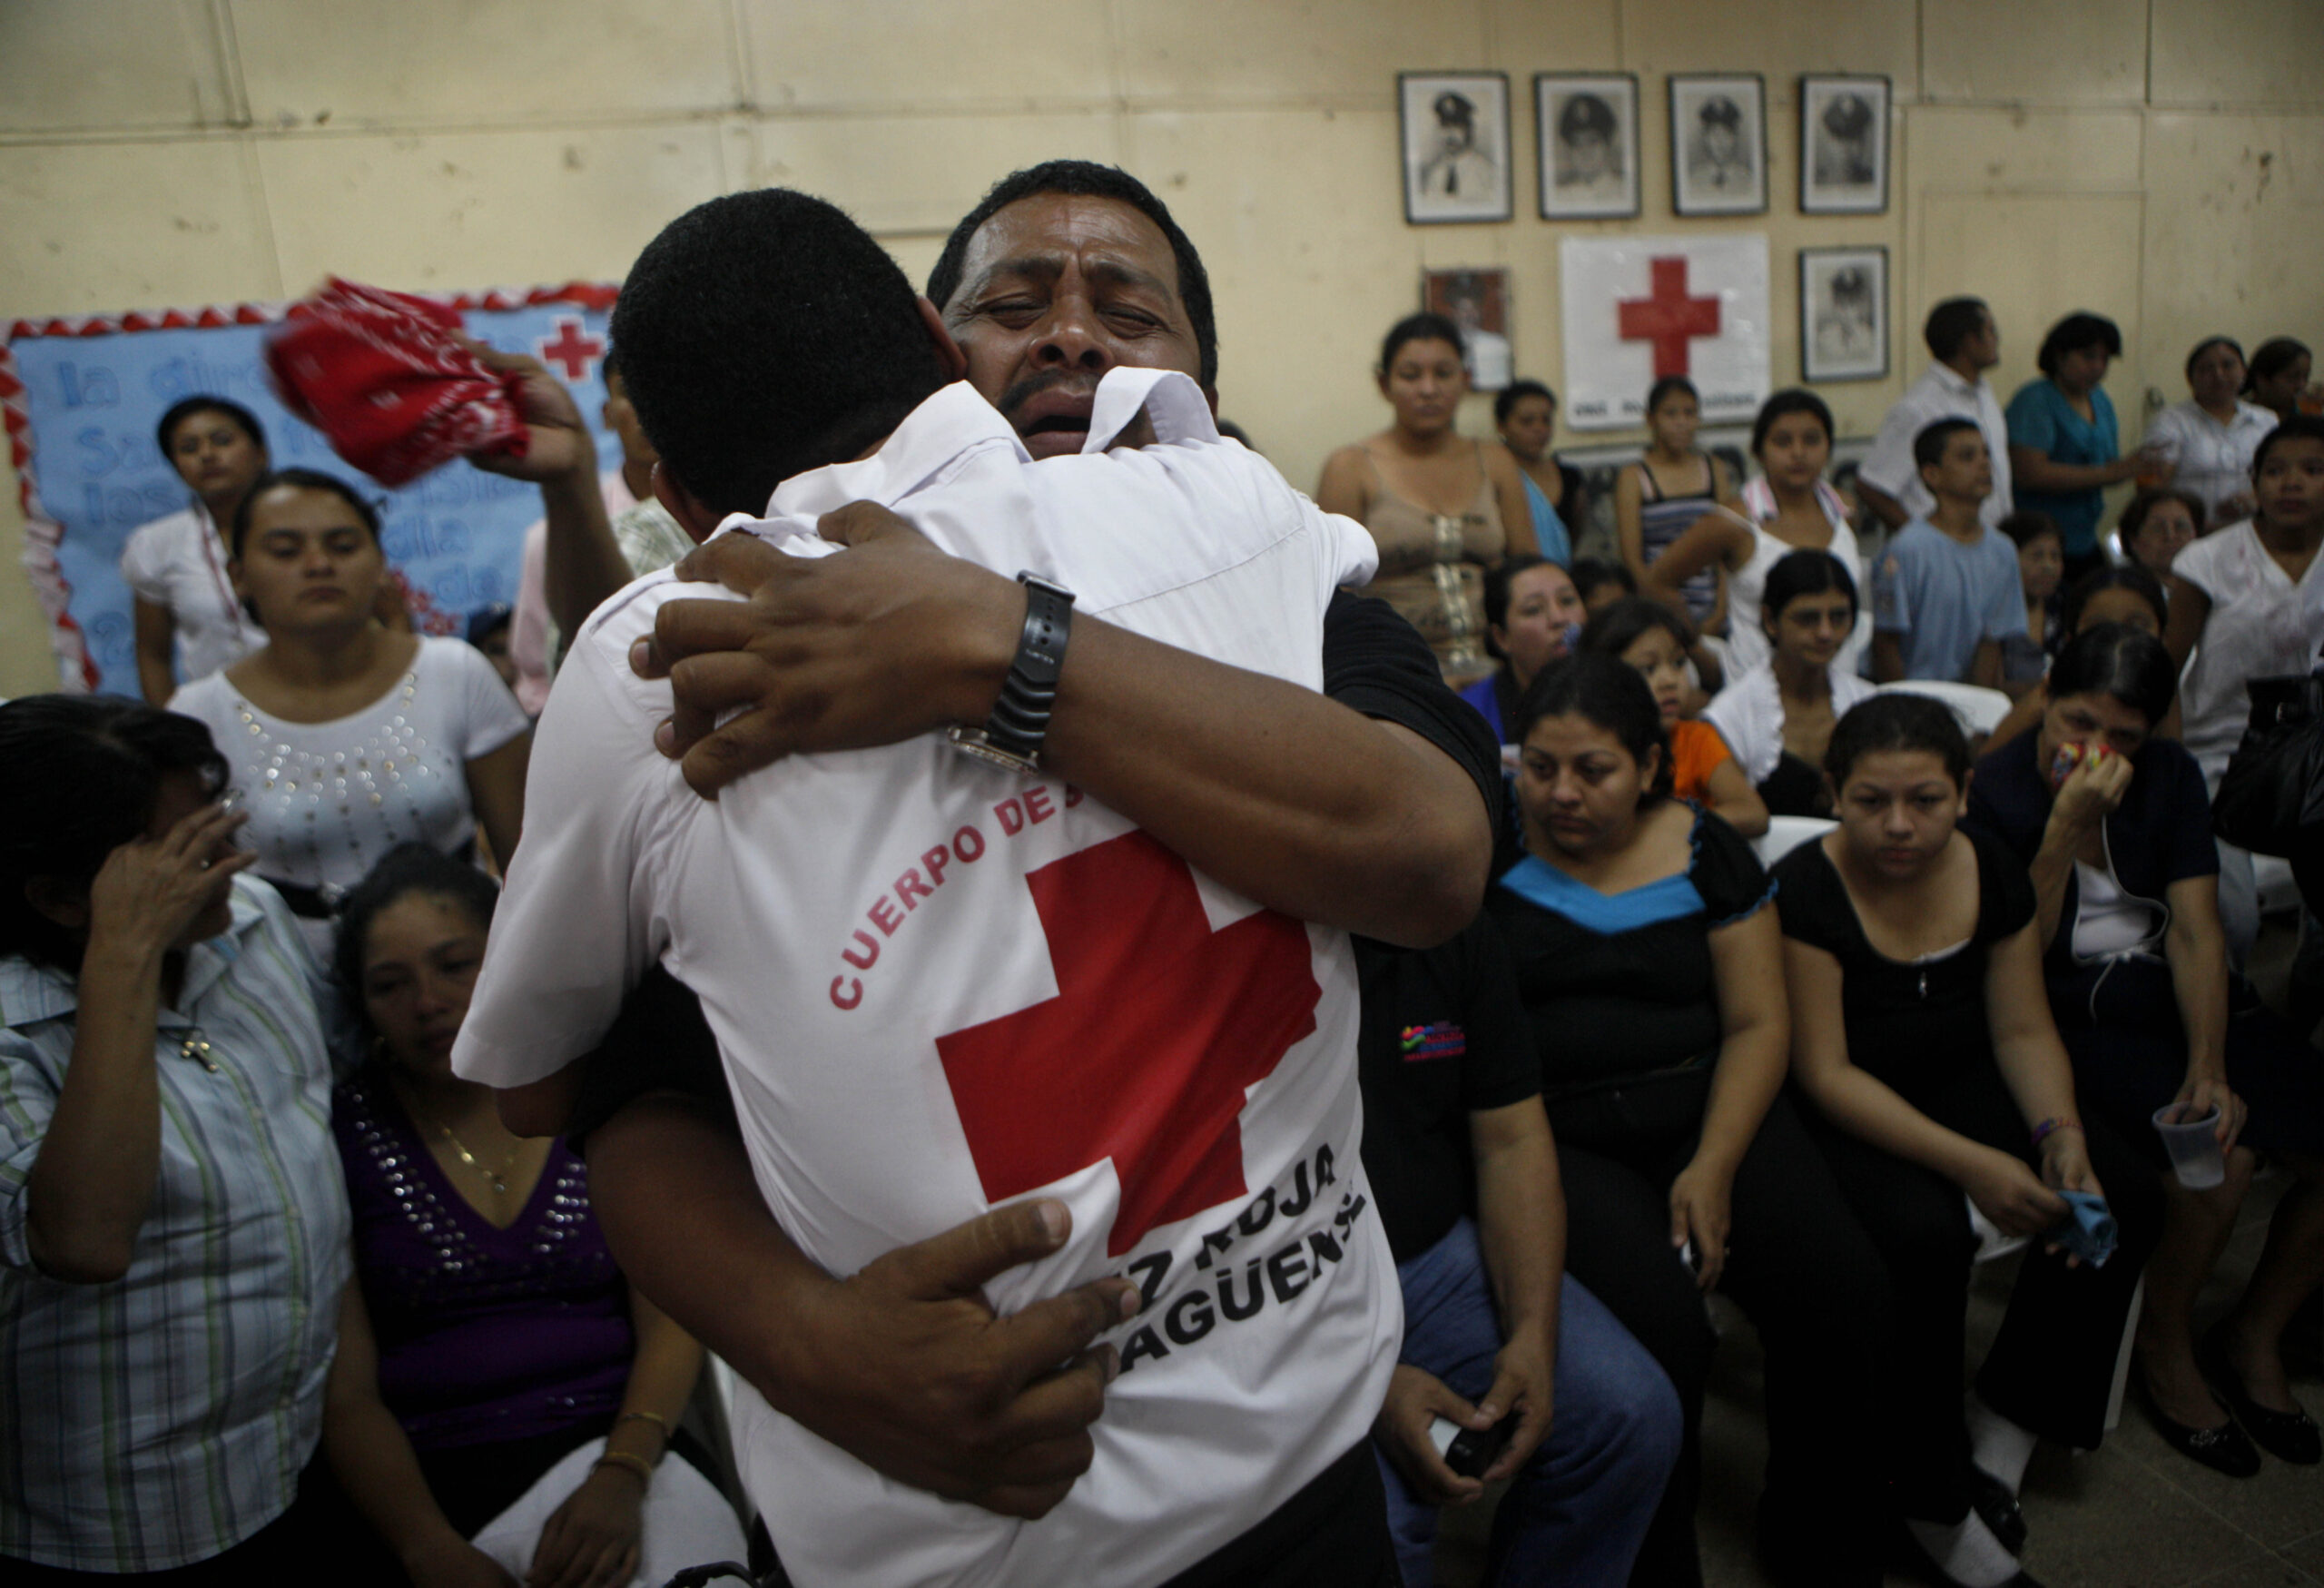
(572, 348)
(1667, 318)
(1159, 1027)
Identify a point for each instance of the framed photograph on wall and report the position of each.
(1456, 146)
(1718, 144)
(1477, 300)
(1843, 313)
(1585, 127)
(1843, 145)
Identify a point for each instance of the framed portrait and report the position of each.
(1718, 144)
(1478, 302)
(1456, 146)
(1843, 145)
(1585, 126)
(1843, 313)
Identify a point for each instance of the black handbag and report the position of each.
(2271, 801)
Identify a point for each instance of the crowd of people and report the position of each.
(1170, 1066)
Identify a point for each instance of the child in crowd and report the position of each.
(2041, 564)
(1602, 583)
(1653, 639)
(1948, 593)
(1921, 1030)
(1778, 717)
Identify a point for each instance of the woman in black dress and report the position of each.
(1922, 1030)
(1651, 970)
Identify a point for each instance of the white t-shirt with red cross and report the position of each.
(940, 987)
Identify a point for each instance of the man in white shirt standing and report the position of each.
(1079, 1015)
(1965, 342)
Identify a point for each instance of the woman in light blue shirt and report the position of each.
(2063, 445)
(1525, 412)
(173, 1220)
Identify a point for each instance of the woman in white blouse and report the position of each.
(348, 738)
(1777, 716)
(2210, 438)
(185, 608)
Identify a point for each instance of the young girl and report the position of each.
(1664, 492)
(1777, 718)
(1921, 1029)
(1653, 639)
(1789, 508)
(2040, 564)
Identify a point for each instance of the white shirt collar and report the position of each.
(1947, 376)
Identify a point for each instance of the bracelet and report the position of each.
(623, 1458)
(2051, 1126)
(659, 1422)
(1013, 734)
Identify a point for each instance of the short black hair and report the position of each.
(1804, 573)
(1951, 323)
(2114, 576)
(2271, 358)
(2027, 526)
(405, 870)
(1516, 391)
(80, 775)
(2300, 427)
(1423, 327)
(300, 479)
(1620, 625)
(2113, 658)
(1594, 573)
(1086, 179)
(2207, 344)
(185, 408)
(764, 334)
(1608, 691)
(1497, 583)
(2076, 332)
(1793, 399)
(1897, 719)
(1665, 387)
(1928, 447)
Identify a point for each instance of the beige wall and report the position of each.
(2160, 161)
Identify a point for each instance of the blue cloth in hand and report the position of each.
(2087, 1231)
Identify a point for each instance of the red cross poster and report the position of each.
(1640, 307)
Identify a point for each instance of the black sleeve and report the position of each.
(1726, 872)
(2007, 902)
(1376, 663)
(659, 1042)
(1810, 897)
(1502, 1066)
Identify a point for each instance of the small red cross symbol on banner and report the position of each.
(573, 348)
(1667, 318)
(1160, 1028)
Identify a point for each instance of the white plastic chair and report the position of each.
(1786, 834)
(1979, 709)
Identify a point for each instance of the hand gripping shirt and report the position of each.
(937, 987)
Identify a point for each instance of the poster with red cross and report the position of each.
(1637, 309)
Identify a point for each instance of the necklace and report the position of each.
(499, 1177)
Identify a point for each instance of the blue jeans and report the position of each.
(1578, 1509)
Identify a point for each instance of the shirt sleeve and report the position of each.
(1376, 663)
(2032, 421)
(490, 717)
(1808, 884)
(1892, 608)
(2005, 606)
(1728, 874)
(27, 1100)
(578, 923)
(144, 563)
(2185, 813)
(2008, 902)
(1889, 465)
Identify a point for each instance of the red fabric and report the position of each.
(383, 376)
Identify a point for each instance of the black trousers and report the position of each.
(2052, 1366)
(1332, 1533)
(1803, 1270)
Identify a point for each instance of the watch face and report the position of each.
(978, 743)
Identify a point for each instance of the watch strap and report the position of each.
(1013, 735)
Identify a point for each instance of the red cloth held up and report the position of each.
(383, 376)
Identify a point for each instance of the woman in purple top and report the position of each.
(501, 1398)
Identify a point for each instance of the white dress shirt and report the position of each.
(2214, 459)
(940, 987)
(2261, 626)
(1939, 394)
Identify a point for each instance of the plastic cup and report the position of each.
(2193, 1146)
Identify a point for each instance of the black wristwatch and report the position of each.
(1013, 734)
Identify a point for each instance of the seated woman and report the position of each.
(1789, 508)
(2040, 564)
(2157, 524)
(1532, 617)
(2120, 592)
(1921, 1030)
(173, 1233)
(1653, 639)
(1649, 969)
(1778, 717)
(1525, 412)
(2126, 885)
(347, 739)
(1445, 509)
(500, 1396)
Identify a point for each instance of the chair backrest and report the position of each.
(1979, 709)
(1786, 834)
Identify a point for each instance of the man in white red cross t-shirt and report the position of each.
(938, 985)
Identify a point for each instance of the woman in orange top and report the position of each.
(1655, 640)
